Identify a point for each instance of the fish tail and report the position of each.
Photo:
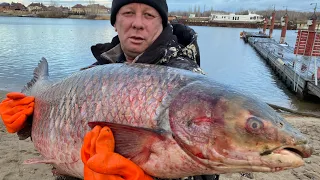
(41, 72)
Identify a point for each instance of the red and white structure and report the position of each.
(308, 44)
(308, 41)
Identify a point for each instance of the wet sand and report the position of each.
(14, 152)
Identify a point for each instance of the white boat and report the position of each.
(233, 18)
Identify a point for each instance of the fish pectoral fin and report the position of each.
(38, 161)
(134, 143)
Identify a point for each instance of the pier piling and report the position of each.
(272, 23)
(284, 24)
(265, 25)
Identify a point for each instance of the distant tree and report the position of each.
(294, 16)
(206, 13)
(92, 9)
(252, 10)
(242, 12)
(54, 3)
(198, 11)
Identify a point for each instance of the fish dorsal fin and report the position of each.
(40, 72)
(133, 142)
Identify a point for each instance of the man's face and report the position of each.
(138, 26)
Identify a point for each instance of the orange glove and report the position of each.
(101, 162)
(15, 109)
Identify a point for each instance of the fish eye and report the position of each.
(254, 124)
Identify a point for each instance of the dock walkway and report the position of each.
(247, 35)
(297, 72)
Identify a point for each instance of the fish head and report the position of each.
(229, 131)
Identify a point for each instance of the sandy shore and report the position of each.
(13, 152)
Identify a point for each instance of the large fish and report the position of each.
(171, 122)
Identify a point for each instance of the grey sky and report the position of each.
(226, 5)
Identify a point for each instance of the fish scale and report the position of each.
(90, 94)
(171, 122)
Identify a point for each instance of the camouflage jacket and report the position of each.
(176, 47)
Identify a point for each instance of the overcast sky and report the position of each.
(226, 5)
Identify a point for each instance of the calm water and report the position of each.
(66, 44)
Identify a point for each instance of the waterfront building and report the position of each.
(233, 18)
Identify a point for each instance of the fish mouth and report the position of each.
(277, 159)
(285, 157)
(302, 151)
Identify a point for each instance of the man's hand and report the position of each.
(100, 161)
(15, 109)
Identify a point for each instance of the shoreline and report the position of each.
(184, 22)
(28, 15)
(13, 152)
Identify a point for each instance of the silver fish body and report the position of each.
(171, 122)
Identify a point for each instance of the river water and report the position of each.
(66, 45)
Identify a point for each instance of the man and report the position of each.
(144, 36)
